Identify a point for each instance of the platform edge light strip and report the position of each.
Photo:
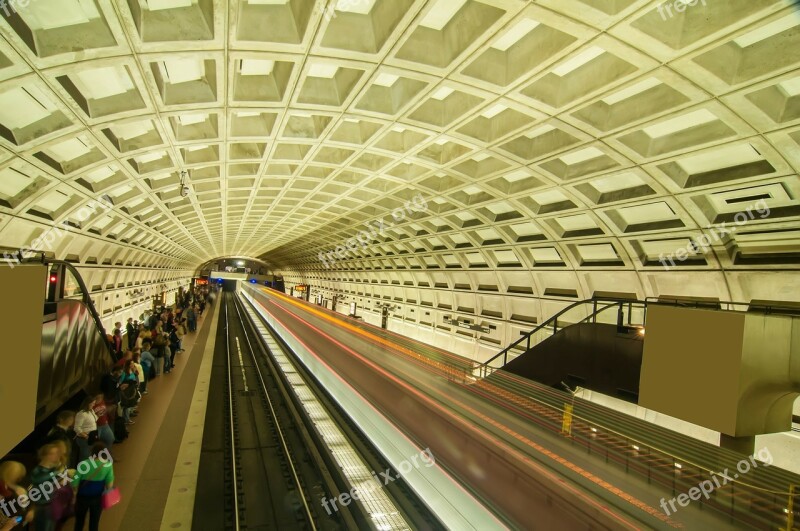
(382, 511)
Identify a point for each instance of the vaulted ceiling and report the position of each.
(593, 133)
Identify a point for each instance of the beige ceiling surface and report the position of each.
(591, 133)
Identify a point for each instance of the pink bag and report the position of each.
(110, 498)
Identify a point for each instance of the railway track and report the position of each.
(275, 477)
(275, 468)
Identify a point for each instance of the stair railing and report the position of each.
(551, 325)
(601, 305)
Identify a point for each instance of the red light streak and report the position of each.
(489, 438)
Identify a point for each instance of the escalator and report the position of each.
(73, 352)
(597, 356)
(578, 346)
(75, 349)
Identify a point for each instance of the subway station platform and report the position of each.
(555, 242)
(156, 467)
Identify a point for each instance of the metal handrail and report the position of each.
(724, 306)
(553, 320)
(86, 299)
(596, 312)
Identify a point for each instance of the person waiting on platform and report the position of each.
(131, 332)
(191, 319)
(104, 431)
(160, 339)
(108, 385)
(62, 431)
(116, 340)
(62, 497)
(180, 331)
(92, 479)
(127, 355)
(120, 364)
(168, 316)
(149, 362)
(146, 365)
(11, 475)
(174, 344)
(144, 335)
(169, 328)
(85, 428)
(43, 477)
(128, 391)
(147, 320)
(158, 363)
(137, 367)
(165, 348)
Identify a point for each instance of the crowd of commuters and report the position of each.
(75, 460)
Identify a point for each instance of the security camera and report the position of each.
(185, 190)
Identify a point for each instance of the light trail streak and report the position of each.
(652, 511)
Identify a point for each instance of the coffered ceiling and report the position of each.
(585, 133)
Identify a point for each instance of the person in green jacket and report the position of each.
(92, 477)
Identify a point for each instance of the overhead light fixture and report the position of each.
(185, 190)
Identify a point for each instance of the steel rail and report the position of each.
(232, 423)
(264, 388)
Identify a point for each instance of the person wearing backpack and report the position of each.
(160, 346)
(128, 390)
(161, 342)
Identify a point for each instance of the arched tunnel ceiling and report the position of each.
(594, 133)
